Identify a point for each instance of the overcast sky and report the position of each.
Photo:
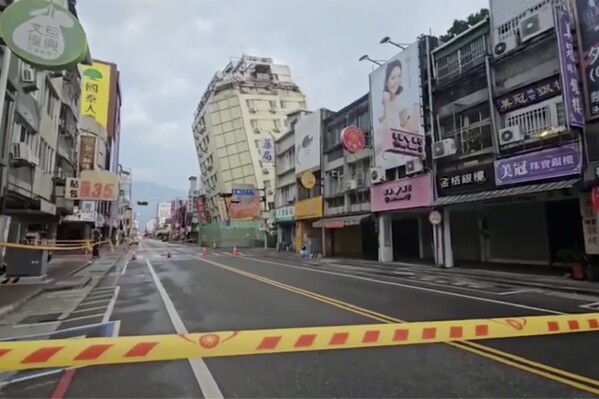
(168, 50)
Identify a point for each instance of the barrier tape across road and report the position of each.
(15, 356)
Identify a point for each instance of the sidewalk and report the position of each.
(551, 280)
(62, 274)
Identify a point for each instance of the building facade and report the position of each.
(246, 101)
(347, 161)
(512, 189)
(285, 183)
(401, 194)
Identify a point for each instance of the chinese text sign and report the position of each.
(540, 165)
(95, 92)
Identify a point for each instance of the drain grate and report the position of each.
(40, 318)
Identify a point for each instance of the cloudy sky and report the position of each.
(168, 50)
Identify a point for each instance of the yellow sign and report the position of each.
(95, 91)
(27, 355)
(308, 180)
(308, 209)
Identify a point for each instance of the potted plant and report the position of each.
(577, 260)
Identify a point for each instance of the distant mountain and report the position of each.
(153, 193)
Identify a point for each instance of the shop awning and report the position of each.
(339, 222)
(506, 192)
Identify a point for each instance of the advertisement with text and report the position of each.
(396, 110)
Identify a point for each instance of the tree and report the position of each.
(461, 25)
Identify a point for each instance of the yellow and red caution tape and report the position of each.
(56, 247)
(23, 355)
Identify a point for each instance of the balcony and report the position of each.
(472, 140)
(66, 149)
(467, 58)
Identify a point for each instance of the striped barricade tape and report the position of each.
(16, 356)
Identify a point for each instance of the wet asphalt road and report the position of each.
(209, 297)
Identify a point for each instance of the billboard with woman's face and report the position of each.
(396, 110)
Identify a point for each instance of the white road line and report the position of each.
(125, 268)
(82, 317)
(84, 302)
(203, 376)
(496, 301)
(87, 310)
(111, 304)
(592, 306)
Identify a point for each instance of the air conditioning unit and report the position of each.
(377, 175)
(535, 24)
(256, 130)
(252, 110)
(22, 152)
(510, 43)
(351, 185)
(28, 78)
(276, 130)
(27, 73)
(269, 192)
(273, 110)
(333, 173)
(265, 171)
(414, 166)
(510, 135)
(444, 148)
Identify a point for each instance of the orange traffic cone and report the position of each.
(204, 252)
(235, 253)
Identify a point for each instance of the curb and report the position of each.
(5, 310)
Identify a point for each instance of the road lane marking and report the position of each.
(204, 378)
(111, 304)
(540, 369)
(413, 287)
(125, 268)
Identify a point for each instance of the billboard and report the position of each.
(95, 92)
(395, 109)
(307, 142)
(87, 152)
(98, 185)
(244, 203)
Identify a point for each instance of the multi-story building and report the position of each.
(308, 137)
(347, 160)
(509, 170)
(39, 138)
(245, 102)
(285, 183)
(401, 193)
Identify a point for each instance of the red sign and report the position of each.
(595, 197)
(353, 139)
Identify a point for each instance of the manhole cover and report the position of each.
(40, 318)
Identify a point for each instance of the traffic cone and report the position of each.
(204, 252)
(133, 257)
(235, 253)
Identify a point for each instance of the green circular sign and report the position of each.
(43, 34)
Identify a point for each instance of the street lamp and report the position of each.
(387, 39)
(365, 57)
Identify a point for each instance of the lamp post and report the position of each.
(365, 57)
(387, 39)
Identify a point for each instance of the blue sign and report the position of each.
(243, 192)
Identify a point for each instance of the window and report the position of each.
(254, 124)
(536, 119)
(51, 100)
(266, 183)
(277, 124)
(272, 104)
(283, 104)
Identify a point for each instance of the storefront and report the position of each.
(402, 207)
(307, 212)
(523, 209)
(285, 221)
(350, 236)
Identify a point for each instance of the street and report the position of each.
(191, 293)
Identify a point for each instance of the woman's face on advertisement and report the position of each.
(394, 80)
